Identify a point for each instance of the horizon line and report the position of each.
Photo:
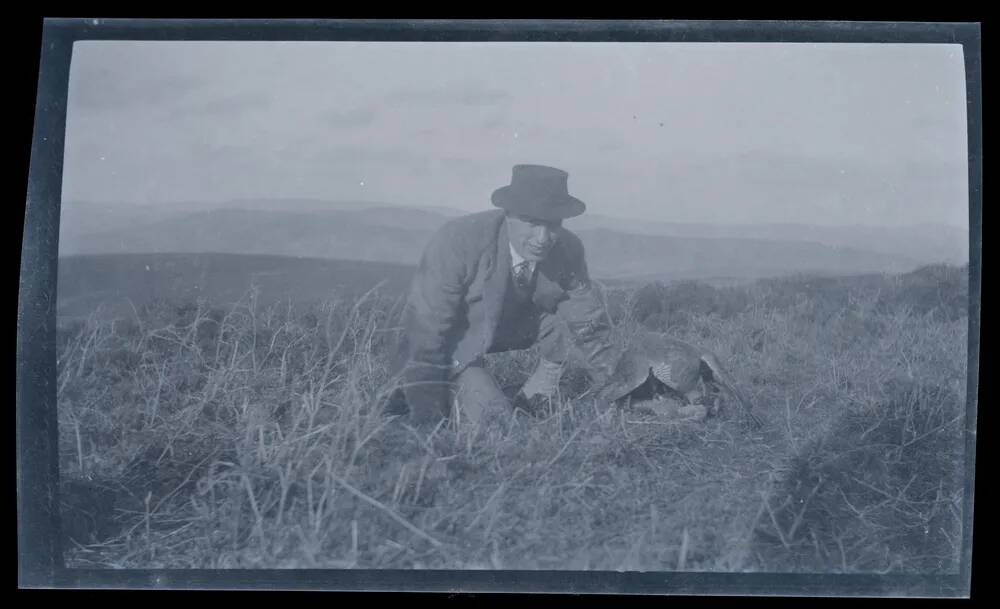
(222, 205)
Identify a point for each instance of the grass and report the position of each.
(254, 437)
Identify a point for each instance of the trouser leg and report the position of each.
(477, 395)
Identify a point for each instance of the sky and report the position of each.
(832, 134)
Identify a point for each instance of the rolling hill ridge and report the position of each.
(397, 235)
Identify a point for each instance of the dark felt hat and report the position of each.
(539, 192)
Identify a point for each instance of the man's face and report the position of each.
(532, 238)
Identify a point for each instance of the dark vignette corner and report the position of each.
(40, 554)
(971, 43)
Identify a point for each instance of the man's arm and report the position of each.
(433, 309)
(585, 314)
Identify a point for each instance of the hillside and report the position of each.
(396, 235)
(118, 282)
(925, 243)
(253, 437)
(83, 221)
(649, 257)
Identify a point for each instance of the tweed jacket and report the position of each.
(456, 297)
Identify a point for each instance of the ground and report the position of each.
(254, 437)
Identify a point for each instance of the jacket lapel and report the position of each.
(495, 283)
(548, 293)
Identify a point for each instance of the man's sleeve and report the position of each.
(586, 316)
(433, 309)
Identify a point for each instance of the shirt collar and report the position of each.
(516, 259)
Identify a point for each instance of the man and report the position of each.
(498, 281)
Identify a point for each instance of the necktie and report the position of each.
(522, 275)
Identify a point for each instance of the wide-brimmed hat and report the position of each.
(538, 192)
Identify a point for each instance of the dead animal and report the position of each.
(656, 367)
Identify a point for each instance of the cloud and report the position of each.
(611, 145)
(103, 88)
(226, 105)
(316, 151)
(463, 94)
(951, 123)
(493, 122)
(482, 97)
(355, 117)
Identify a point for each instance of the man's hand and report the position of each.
(544, 381)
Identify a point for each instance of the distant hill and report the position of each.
(87, 226)
(615, 254)
(398, 235)
(335, 234)
(83, 221)
(116, 282)
(925, 243)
